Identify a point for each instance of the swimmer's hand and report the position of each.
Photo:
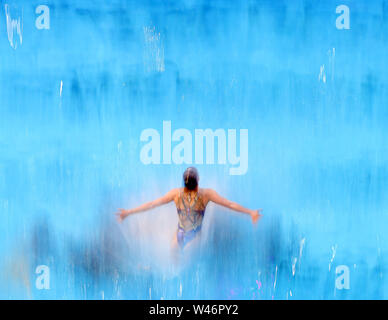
(122, 214)
(256, 215)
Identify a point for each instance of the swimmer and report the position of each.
(191, 202)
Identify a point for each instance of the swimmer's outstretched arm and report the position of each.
(216, 198)
(168, 197)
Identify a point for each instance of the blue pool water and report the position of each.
(78, 89)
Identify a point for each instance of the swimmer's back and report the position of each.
(204, 196)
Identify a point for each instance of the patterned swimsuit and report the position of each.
(190, 214)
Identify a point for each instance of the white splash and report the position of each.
(322, 74)
(276, 276)
(301, 246)
(331, 54)
(293, 265)
(334, 251)
(295, 260)
(13, 25)
(60, 89)
(329, 71)
(153, 50)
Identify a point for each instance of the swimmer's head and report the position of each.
(191, 178)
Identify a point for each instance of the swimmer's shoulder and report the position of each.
(175, 193)
(205, 193)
